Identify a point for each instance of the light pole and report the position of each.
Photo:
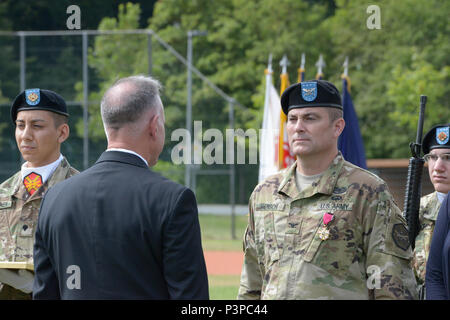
(190, 34)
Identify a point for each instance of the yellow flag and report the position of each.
(301, 74)
(283, 134)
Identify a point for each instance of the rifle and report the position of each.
(414, 183)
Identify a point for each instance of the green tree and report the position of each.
(113, 57)
(389, 68)
(5, 58)
(3, 125)
(384, 71)
(241, 35)
(406, 86)
(116, 56)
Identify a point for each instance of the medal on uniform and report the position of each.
(324, 231)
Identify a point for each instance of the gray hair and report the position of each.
(136, 95)
(334, 114)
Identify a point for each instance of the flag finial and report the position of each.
(345, 65)
(269, 64)
(284, 64)
(302, 64)
(320, 64)
(345, 75)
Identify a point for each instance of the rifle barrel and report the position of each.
(423, 101)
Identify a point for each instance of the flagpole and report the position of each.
(301, 70)
(284, 84)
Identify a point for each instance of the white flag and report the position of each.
(268, 151)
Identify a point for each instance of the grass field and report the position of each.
(223, 287)
(216, 236)
(216, 232)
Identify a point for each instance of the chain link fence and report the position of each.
(65, 62)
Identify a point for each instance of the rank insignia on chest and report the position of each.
(32, 182)
(324, 231)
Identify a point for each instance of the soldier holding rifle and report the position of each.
(323, 228)
(436, 147)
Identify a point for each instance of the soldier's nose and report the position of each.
(299, 126)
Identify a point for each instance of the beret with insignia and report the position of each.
(311, 93)
(38, 99)
(437, 138)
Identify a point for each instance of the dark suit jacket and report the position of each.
(437, 278)
(119, 231)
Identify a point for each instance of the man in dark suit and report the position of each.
(119, 230)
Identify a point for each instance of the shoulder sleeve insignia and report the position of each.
(400, 236)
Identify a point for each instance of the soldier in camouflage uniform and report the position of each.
(323, 228)
(436, 147)
(41, 118)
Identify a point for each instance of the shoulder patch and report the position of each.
(400, 236)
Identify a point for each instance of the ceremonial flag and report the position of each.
(268, 151)
(350, 142)
(285, 157)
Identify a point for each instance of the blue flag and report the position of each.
(350, 142)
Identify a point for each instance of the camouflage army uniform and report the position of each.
(286, 259)
(429, 209)
(18, 219)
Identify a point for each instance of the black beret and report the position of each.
(311, 93)
(38, 99)
(437, 138)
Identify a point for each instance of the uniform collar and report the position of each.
(59, 174)
(44, 171)
(325, 185)
(431, 208)
(440, 196)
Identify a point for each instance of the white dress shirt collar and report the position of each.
(45, 171)
(128, 151)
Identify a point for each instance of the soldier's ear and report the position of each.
(339, 126)
(63, 132)
(153, 126)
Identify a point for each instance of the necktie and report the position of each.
(32, 182)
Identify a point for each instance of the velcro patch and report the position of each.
(5, 204)
(400, 236)
(270, 206)
(335, 206)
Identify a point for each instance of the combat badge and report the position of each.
(400, 236)
(324, 231)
